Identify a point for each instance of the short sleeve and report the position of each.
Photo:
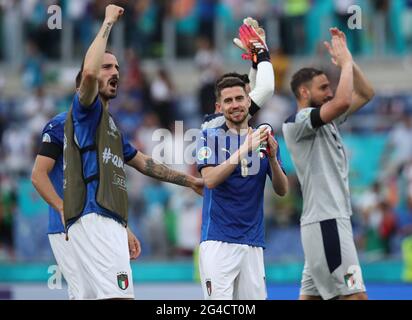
(213, 121)
(52, 133)
(86, 121)
(300, 126)
(129, 151)
(82, 113)
(52, 140)
(206, 153)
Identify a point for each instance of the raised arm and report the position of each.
(363, 91)
(265, 81)
(152, 168)
(252, 40)
(343, 97)
(252, 77)
(94, 57)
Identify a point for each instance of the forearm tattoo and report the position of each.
(162, 172)
(107, 30)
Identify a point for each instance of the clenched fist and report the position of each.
(113, 13)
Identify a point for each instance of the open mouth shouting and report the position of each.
(113, 83)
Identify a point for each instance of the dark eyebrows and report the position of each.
(108, 65)
(237, 98)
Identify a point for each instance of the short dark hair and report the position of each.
(243, 77)
(228, 82)
(301, 77)
(80, 73)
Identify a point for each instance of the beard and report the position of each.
(108, 91)
(237, 121)
(315, 104)
(318, 103)
(108, 94)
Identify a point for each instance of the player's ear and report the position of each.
(218, 107)
(249, 101)
(304, 92)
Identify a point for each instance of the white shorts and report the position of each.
(230, 271)
(331, 263)
(63, 253)
(102, 252)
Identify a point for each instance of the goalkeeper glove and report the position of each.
(250, 31)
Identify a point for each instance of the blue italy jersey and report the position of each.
(85, 122)
(233, 211)
(53, 132)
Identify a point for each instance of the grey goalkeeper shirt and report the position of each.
(321, 165)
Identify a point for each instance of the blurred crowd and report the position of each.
(155, 27)
(166, 219)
